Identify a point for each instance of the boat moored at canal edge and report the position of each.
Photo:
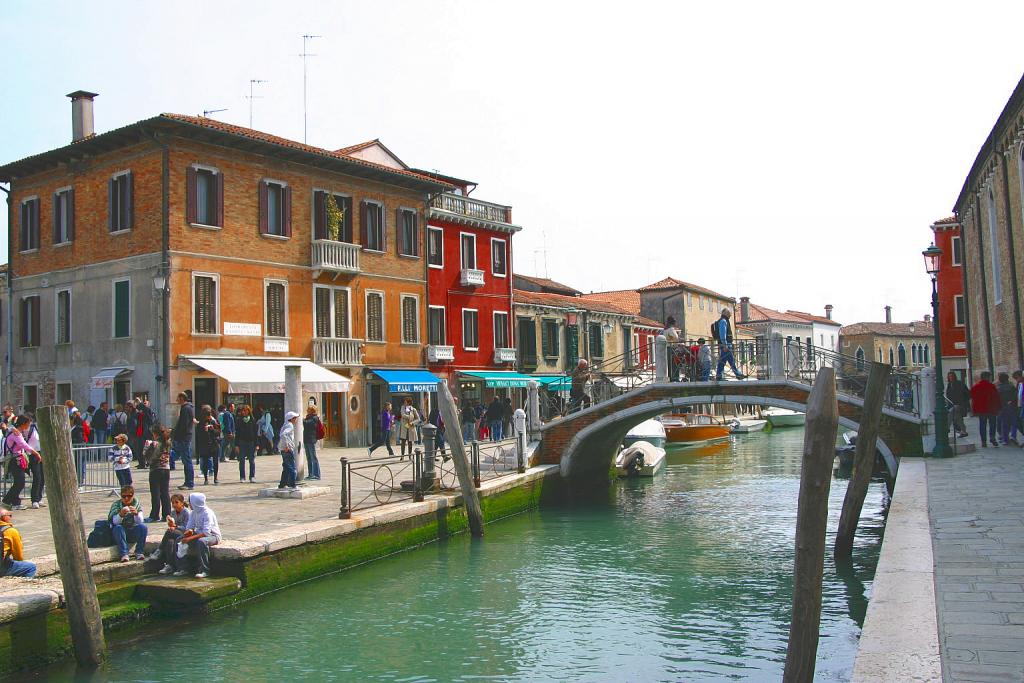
(691, 429)
(651, 431)
(782, 417)
(641, 459)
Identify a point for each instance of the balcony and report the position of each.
(440, 354)
(504, 355)
(471, 277)
(335, 352)
(473, 209)
(333, 256)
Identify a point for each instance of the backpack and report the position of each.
(101, 536)
(120, 424)
(321, 432)
(714, 330)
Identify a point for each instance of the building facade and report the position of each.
(695, 308)
(905, 346)
(990, 212)
(952, 307)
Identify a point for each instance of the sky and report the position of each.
(792, 152)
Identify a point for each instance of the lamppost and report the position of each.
(942, 450)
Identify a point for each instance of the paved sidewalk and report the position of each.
(976, 506)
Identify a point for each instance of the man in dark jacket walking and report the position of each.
(181, 438)
(959, 397)
(723, 335)
(495, 411)
(1007, 409)
(985, 405)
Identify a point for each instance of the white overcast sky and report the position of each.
(791, 152)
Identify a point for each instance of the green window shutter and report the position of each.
(122, 308)
(572, 345)
(545, 338)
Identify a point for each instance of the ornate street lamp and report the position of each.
(942, 450)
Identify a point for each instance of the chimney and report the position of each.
(927, 319)
(81, 115)
(888, 314)
(744, 309)
(828, 311)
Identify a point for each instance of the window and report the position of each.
(375, 316)
(275, 208)
(689, 300)
(332, 312)
(927, 355)
(956, 246)
(373, 226)
(332, 222)
(700, 301)
(499, 257)
(501, 330)
(29, 398)
(277, 307)
(29, 224)
(467, 244)
(892, 358)
(204, 300)
(64, 216)
(204, 194)
(860, 359)
(63, 392)
(410, 319)
(996, 254)
(435, 248)
(119, 202)
(596, 334)
(913, 353)
(549, 337)
(526, 335)
(879, 355)
(63, 309)
(29, 321)
(122, 312)
(959, 313)
(408, 233)
(901, 353)
(470, 330)
(435, 323)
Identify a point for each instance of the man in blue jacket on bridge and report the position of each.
(722, 332)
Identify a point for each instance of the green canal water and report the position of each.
(686, 577)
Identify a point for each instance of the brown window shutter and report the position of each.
(381, 216)
(286, 211)
(400, 246)
(130, 200)
(35, 320)
(22, 320)
(191, 193)
(71, 214)
(110, 205)
(319, 215)
(218, 189)
(364, 216)
(56, 217)
(263, 208)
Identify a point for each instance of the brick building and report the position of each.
(176, 252)
(990, 212)
(952, 308)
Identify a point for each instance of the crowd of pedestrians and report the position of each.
(998, 406)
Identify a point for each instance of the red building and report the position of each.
(952, 315)
(469, 299)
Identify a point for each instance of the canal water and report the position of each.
(686, 577)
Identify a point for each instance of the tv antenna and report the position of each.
(207, 112)
(305, 53)
(251, 97)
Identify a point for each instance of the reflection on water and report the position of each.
(684, 577)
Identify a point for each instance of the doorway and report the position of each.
(204, 393)
(333, 415)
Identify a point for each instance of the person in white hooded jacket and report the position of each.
(203, 532)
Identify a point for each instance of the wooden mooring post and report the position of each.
(61, 478)
(811, 520)
(450, 414)
(863, 459)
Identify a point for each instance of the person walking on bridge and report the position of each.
(722, 332)
(580, 377)
(672, 337)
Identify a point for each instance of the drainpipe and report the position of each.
(9, 384)
(163, 379)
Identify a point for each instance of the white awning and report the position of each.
(266, 375)
(104, 379)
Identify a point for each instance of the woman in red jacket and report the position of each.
(985, 404)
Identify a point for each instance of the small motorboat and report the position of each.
(651, 431)
(781, 417)
(746, 425)
(641, 459)
(691, 429)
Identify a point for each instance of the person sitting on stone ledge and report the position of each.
(203, 531)
(177, 523)
(13, 562)
(125, 517)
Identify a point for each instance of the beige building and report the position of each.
(906, 346)
(695, 308)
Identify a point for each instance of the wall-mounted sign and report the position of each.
(275, 345)
(243, 329)
(960, 345)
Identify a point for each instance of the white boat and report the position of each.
(781, 417)
(651, 431)
(641, 459)
(747, 425)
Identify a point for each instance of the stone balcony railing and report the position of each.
(331, 255)
(471, 277)
(440, 354)
(504, 355)
(335, 352)
(472, 208)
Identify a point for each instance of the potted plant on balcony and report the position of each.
(335, 217)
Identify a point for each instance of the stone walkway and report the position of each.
(976, 506)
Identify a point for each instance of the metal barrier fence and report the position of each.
(373, 483)
(95, 472)
(493, 459)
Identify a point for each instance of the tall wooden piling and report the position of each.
(449, 412)
(864, 458)
(61, 477)
(811, 520)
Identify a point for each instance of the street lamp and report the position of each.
(932, 256)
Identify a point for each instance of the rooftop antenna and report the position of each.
(251, 97)
(207, 112)
(544, 239)
(305, 53)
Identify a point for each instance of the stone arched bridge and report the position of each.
(585, 443)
